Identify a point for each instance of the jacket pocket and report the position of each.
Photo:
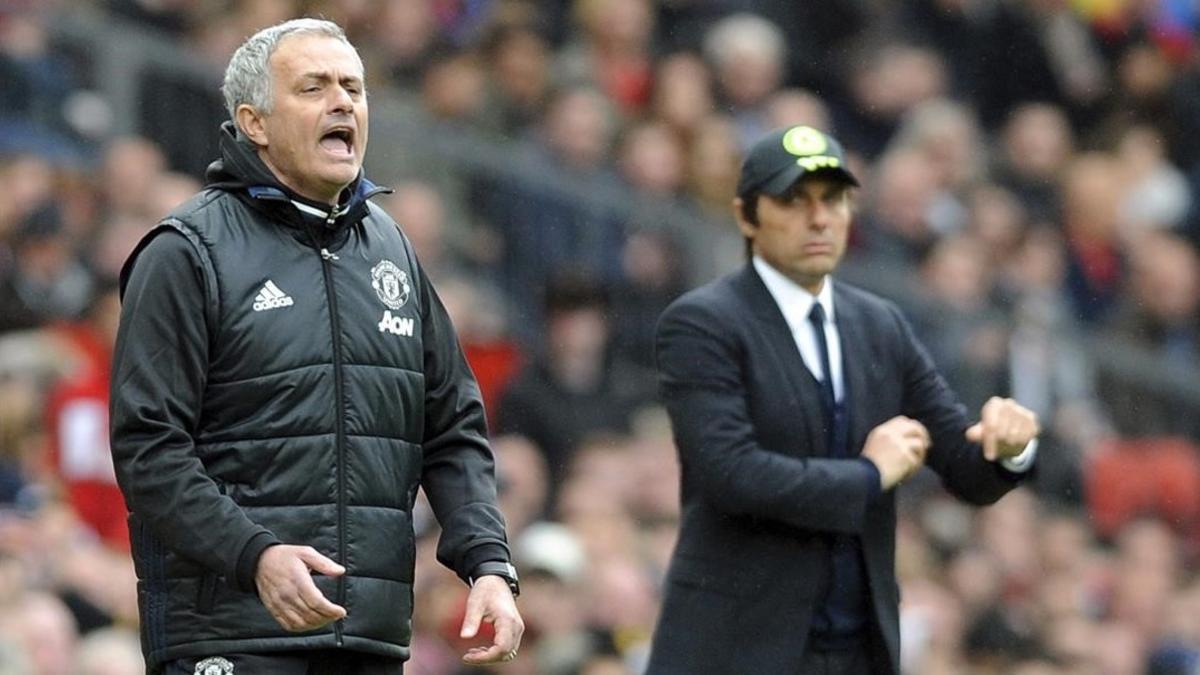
(206, 590)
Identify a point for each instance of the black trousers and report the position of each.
(321, 662)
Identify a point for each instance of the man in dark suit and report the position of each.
(798, 403)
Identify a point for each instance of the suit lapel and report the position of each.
(856, 360)
(779, 340)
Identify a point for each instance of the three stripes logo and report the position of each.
(270, 297)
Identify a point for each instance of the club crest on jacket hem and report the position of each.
(215, 665)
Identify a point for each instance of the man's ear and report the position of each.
(747, 228)
(252, 124)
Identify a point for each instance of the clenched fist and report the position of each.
(1005, 427)
(897, 448)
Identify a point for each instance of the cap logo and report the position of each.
(809, 146)
(804, 141)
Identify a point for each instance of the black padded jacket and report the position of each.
(287, 374)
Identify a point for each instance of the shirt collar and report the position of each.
(794, 301)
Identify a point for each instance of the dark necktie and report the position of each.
(817, 318)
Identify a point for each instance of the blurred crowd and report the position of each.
(1031, 171)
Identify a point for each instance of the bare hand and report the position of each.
(1005, 427)
(492, 601)
(285, 584)
(897, 448)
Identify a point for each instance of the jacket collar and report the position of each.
(240, 170)
(795, 302)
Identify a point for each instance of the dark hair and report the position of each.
(42, 222)
(750, 207)
(572, 291)
(750, 215)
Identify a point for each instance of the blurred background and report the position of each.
(565, 169)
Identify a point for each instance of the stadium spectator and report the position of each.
(479, 315)
(650, 157)
(1157, 196)
(452, 89)
(421, 212)
(404, 41)
(517, 57)
(683, 94)
(45, 281)
(961, 325)
(611, 51)
(948, 135)
(898, 226)
(798, 107)
(1161, 312)
(713, 163)
(1036, 145)
(886, 80)
(749, 57)
(110, 651)
(1096, 260)
(653, 277)
(1048, 365)
(77, 422)
(46, 631)
(522, 481)
(578, 386)
(554, 567)
(35, 80)
(131, 167)
(546, 232)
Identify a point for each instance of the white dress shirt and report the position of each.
(796, 302)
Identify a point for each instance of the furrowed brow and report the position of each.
(835, 191)
(323, 78)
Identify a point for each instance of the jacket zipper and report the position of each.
(327, 259)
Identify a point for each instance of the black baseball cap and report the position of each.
(781, 158)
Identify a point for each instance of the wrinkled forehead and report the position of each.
(306, 54)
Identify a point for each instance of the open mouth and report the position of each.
(339, 141)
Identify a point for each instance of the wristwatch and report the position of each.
(504, 570)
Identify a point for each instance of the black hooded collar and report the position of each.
(240, 170)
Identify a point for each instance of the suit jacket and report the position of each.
(760, 493)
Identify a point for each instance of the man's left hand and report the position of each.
(1005, 427)
(492, 601)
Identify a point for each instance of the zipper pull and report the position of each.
(326, 255)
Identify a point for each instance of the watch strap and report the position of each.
(499, 568)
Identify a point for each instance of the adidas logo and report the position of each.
(270, 297)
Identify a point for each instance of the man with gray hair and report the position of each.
(285, 379)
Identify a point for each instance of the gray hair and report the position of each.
(744, 33)
(248, 76)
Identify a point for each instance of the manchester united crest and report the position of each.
(391, 284)
(215, 665)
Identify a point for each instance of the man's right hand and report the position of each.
(285, 585)
(897, 448)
